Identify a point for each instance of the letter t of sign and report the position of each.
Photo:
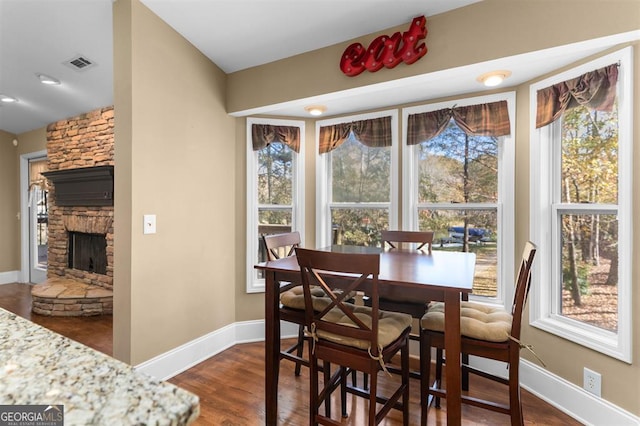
(411, 51)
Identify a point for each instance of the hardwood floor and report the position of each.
(95, 332)
(231, 384)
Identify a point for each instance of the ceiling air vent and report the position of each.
(80, 63)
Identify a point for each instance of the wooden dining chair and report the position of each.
(352, 337)
(291, 295)
(417, 240)
(488, 332)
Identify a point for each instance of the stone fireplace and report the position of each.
(80, 256)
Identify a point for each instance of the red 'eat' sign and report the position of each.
(386, 51)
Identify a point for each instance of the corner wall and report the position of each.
(175, 158)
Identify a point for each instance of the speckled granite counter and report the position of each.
(38, 366)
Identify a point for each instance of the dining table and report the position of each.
(436, 275)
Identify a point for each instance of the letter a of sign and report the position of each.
(386, 51)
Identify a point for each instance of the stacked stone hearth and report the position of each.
(83, 141)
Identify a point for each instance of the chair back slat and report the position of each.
(317, 268)
(281, 245)
(395, 239)
(523, 284)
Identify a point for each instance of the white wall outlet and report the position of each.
(149, 226)
(592, 382)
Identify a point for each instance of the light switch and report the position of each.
(149, 224)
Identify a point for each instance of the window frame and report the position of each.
(505, 206)
(255, 284)
(545, 302)
(323, 178)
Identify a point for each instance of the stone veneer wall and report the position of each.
(82, 141)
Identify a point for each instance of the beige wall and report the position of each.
(175, 157)
(484, 31)
(10, 205)
(487, 30)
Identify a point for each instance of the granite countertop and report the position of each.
(38, 366)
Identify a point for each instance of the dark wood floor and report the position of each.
(231, 384)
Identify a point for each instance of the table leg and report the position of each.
(272, 349)
(452, 347)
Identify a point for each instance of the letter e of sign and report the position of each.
(352, 61)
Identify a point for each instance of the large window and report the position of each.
(581, 204)
(356, 185)
(460, 185)
(275, 182)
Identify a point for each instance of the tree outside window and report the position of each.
(589, 177)
(458, 196)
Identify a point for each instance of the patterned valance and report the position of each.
(263, 134)
(374, 133)
(595, 90)
(490, 119)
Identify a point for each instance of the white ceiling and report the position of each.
(39, 36)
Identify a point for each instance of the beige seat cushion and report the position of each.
(390, 326)
(477, 321)
(294, 298)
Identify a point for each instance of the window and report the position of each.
(356, 185)
(581, 206)
(460, 186)
(275, 182)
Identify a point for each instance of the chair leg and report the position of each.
(326, 369)
(373, 389)
(465, 372)
(300, 348)
(404, 356)
(343, 390)
(439, 362)
(515, 403)
(313, 389)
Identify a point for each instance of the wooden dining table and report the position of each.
(409, 274)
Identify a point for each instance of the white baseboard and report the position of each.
(175, 361)
(564, 395)
(9, 277)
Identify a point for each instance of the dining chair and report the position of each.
(291, 309)
(487, 332)
(418, 240)
(352, 337)
(291, 295)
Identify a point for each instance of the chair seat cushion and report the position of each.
(294, 298)
(477, 321)
(390, 326)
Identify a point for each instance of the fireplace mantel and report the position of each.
(85, 186)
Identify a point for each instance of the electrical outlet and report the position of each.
(592, 382)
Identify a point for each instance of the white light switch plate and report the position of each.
(149, 224)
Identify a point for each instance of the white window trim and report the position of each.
(544, 303)
(506, 185)
(255, 284)
(323, 180)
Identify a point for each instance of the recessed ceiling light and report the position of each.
(493, 78)
(7, 99)
(315, 109)
(45, 79)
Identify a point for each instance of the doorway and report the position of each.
(35, 212)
